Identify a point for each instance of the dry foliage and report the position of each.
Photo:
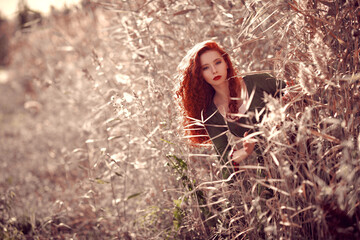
(90, 140)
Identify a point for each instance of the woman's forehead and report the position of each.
(209, 56)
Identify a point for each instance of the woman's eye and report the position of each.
(218, 62)
(204, 68)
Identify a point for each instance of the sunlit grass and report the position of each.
(99, 153)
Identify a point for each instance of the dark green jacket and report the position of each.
(216, 125)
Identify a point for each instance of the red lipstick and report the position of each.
(216, 78)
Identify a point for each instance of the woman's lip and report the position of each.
(216, 78)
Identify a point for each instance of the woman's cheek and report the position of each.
(206, 76)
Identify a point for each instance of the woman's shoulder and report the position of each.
(213, 116)
(264, 82)
(259, 77)
(210, 110)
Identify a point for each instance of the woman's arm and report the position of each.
(217, 134)
(271, 85)
(240, 155)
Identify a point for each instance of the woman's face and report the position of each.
(213, 67)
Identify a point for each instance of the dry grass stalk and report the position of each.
(305, 186)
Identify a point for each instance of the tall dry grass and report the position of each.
(117, 160)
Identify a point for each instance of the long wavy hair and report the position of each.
(195, 94)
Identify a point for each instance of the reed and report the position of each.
(117, 159)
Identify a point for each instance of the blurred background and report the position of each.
(9, 9)
(91, 145)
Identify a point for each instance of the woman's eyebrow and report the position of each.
(213, 61)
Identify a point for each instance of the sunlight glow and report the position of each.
(9, 8)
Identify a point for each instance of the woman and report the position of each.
(211, 91)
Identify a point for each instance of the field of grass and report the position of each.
(91, 145)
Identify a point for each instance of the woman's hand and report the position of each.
(248, 145)
(241, 154)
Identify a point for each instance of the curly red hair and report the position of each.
(196, 94)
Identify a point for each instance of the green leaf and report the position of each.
(166, 141)
(177, 202)
(134, 195)
(100, 181)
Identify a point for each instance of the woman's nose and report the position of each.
(213, 69)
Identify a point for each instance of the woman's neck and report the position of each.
(222, 94)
